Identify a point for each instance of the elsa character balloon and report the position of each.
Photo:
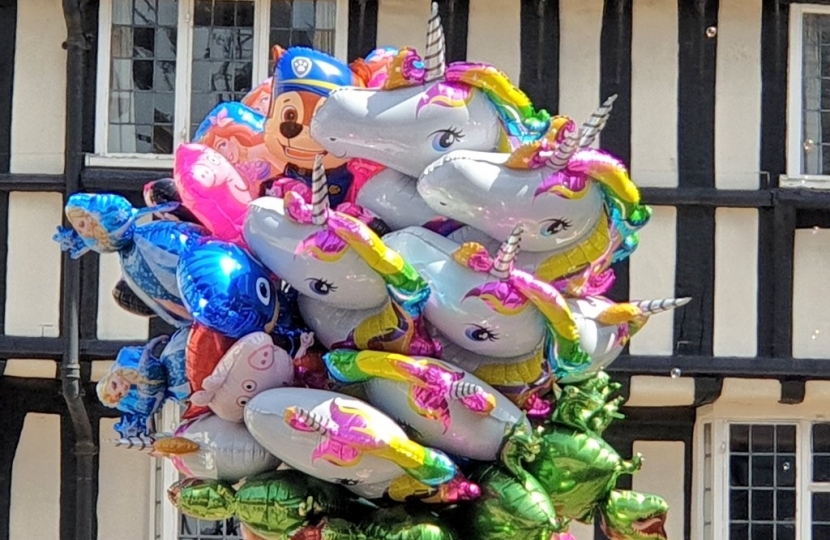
(492, 319)
(425, 110)
(149, 253)
(354, 291)
(137, 384)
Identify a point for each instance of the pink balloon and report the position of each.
(213, 190)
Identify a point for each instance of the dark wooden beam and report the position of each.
(707, 390)
(539, 76)
(455, 16)
(363, 28)
(695, 268)
(792, 391)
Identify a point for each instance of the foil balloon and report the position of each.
(162, 193)
(344, 440)
(137, 385)
(252, 365)
(237, 132)
(425, 110)
(149, 253)
(205, 348)
(495, 317)
(209, 447)
(446, 407)
(272, 504)
(575, 466)
(129, 301)
(304, 78)
(173, 358)
(213, 189)
(605, 327)
(227, 290)
(336, 261)
(259, 98)
(628, 515)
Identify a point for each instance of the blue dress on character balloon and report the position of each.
(149, 253)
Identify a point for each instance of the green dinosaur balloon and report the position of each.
(578, 470)
(274, 505)
(628, 515)
(586, 406)
(289, 505)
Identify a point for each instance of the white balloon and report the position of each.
(478, 189)
(407, 128)
(227, 451)
(274, 238)
(468, 434)
(468, 322)
(393, 197)
(368, 476)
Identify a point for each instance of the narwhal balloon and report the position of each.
(424, 110)
(355, 291)
(492, 319)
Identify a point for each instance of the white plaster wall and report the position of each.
(39, 103)
(811, 294)
(494, 36)
(648, 391)
(34, 265)
(37, 369)
(403, 23)
(736, 282)
(114, 322)
(654, 68)
(662, 474)
(36, 477)
(738, 95)
(580, 24)
(124, 510)
(651, 275)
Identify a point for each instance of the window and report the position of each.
(765, 481)
(164, 64)
(808, 155)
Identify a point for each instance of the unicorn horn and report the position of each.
(651, 307)
(596, 122)
(319, 192)
(434, 62)
(564, 151)
(507, 252)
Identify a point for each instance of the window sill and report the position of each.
(804, 182)
(131, 161)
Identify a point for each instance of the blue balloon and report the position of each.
(173, 358)
(149, 253)
(301, 69)
(237, 112)
(227, 290)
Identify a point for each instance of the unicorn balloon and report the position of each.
(355, 292)
(424, 110)
(578, 206)
(491, 318)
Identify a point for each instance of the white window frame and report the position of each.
(720, 424)
(184, 65)
(794, 176)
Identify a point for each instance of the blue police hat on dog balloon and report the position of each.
(301, 69)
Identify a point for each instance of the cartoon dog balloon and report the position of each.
(304, 78)
(355, 291)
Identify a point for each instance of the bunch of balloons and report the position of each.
(387, 281)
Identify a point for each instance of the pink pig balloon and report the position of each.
(212, 189)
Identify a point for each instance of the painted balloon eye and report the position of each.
(554, 226)
(321, 286)
(263, 290)
(289, 114)
(443, 139)
(249, 385)
(480, 333)
(242, 400)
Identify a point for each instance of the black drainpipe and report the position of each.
(77, 47)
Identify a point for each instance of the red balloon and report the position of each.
(204, 350)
